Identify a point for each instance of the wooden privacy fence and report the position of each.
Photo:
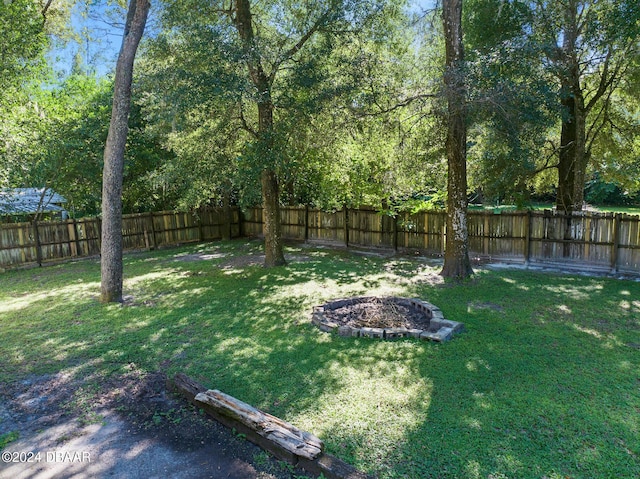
(584, 240)
(593, 241)
(38, 242)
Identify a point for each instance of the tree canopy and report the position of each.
(331, 103)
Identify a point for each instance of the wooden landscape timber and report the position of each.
(283, 440)
(286, 436)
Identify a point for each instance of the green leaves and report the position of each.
(23, 43)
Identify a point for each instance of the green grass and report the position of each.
(545, 382)
(8, 438)
(629, 210)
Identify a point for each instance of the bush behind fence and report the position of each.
(585, 240)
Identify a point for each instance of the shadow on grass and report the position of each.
(543, 383)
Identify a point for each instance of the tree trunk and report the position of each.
(273, 245)
(456, 257)
(274, 248)
(572, 164)
(112, 177)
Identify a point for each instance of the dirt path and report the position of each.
(128, 427)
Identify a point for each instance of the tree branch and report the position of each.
(602, 86)
(298, 46)
(401, 104)
(608, 78)
(44, 11)
(547, 163)
(245, 124)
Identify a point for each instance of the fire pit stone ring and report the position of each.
(385, 318)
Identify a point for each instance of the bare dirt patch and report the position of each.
(126, 426)
(225, 261)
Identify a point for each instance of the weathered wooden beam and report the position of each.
(320, 464)
(285, 435)
(186, 386)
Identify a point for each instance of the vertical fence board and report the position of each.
(587, 240)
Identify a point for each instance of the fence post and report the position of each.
(346, 226)
(616, 239)
(74, 229)
(485, 233)
(306, 223)
(153, 231)
(240, 223)
(23, 245)
(527, 238)
(36, 235)
(395, 231)
(198, 216)
(227, 218)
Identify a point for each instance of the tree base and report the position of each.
(272, 264)
(108, 297)
(458, 268)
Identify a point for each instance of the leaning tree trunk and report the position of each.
(456, 257)
(112, 176)
(273, 246)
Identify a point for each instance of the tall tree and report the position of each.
(273, 61)
(456, 259)
(112, 177)
(556, 66)
(583, 50)
(243, 22)
(593, 42)
(511, 104)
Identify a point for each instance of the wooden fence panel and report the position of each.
(326, 227)
(293, 222)
(599, 238)
(370, 228)
(88, 236)
(54, 240)
(582, 239)
(585, 240)
(135, 231)
(628, 243)
(212, 222)
(422, 231)
(17, 244)
(174, 228)
(252, 222)
(498, 235)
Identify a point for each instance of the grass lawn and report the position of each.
(544, 383)
(629, 210)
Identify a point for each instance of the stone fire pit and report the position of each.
(385, 318)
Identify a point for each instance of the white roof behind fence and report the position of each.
(28, 201)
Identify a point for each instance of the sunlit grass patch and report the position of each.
(545, 382)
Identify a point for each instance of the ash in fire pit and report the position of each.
(385, 318)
